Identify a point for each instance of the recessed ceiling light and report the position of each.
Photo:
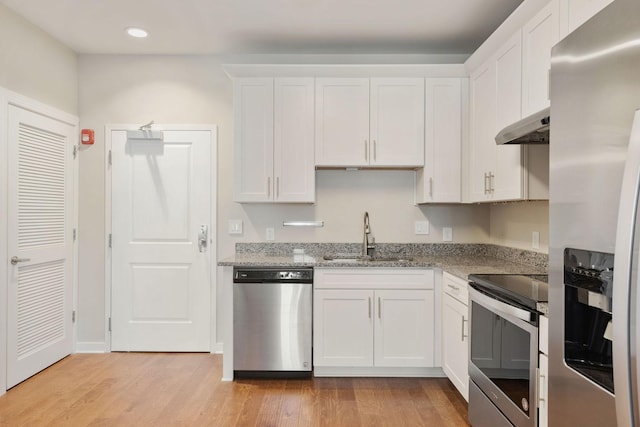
(137, 32)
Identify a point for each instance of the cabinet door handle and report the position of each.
(369, 307)
(548, 84)
(277, 187)
(430, 187)
(453, 287)
(462, 335)
(491, 182)
(375, 150)
(366, 150)
(379, 308)
(269, 187)
(541, 381)
(486, 187)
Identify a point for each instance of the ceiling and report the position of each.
(268, 26)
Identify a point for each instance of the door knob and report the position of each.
(203, 237)
(15, 260)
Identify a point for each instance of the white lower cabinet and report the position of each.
(342, 328)
(543, 373)
(382, 319)
(403, 328)
(455, 333)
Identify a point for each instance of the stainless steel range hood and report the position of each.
(533, 129)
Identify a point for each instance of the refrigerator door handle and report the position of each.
(624, 374)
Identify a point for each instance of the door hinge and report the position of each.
(75, 151)
(109, 324)
(73, 316)
(110, 240)
(110, 159)
(74, 234)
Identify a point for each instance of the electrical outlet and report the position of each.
(235, 226)
(535, 240)
(421, 227)
(271, 233)
(447, 234)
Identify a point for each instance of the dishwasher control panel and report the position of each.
(271, 275)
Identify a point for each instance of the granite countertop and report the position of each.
(461, 260)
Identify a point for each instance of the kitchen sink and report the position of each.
(391, 259)
(352, 258)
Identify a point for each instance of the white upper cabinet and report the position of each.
(539, 35)
(376, 122)
(506, 180)
(342, 122)
(496, 172)
(508, 75)
(440, 179)
(574, 13)
(293, 164)
(253, 139)
(397, 122)
(482, 112)
(510, 84)
(273, 139)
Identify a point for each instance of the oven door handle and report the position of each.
(499, 306)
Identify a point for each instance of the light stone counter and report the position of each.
(461, 260)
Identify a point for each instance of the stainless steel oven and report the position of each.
(503, 349)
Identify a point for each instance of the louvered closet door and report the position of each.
(40, 236)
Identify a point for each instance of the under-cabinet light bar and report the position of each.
(303, 223)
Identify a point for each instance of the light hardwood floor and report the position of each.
(156, 389)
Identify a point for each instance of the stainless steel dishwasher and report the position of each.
(272, 317)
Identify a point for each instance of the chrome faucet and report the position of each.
(368, 245)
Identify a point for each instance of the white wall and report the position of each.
(192, 90)
(35, 65)
(341, 200)
(513, 223)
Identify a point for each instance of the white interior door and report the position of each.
(161, 200)
(40, 242)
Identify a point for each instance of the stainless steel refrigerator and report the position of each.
(594, 223)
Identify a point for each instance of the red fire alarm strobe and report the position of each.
(87, 136)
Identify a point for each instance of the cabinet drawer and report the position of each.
(455, 287)
(373, 278)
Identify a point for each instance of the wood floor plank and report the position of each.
(159, 389)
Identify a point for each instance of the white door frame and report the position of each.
(108, 222)
(7, 98)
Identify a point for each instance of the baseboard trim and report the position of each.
(217, 348)
(333, 371)
(91, 347)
